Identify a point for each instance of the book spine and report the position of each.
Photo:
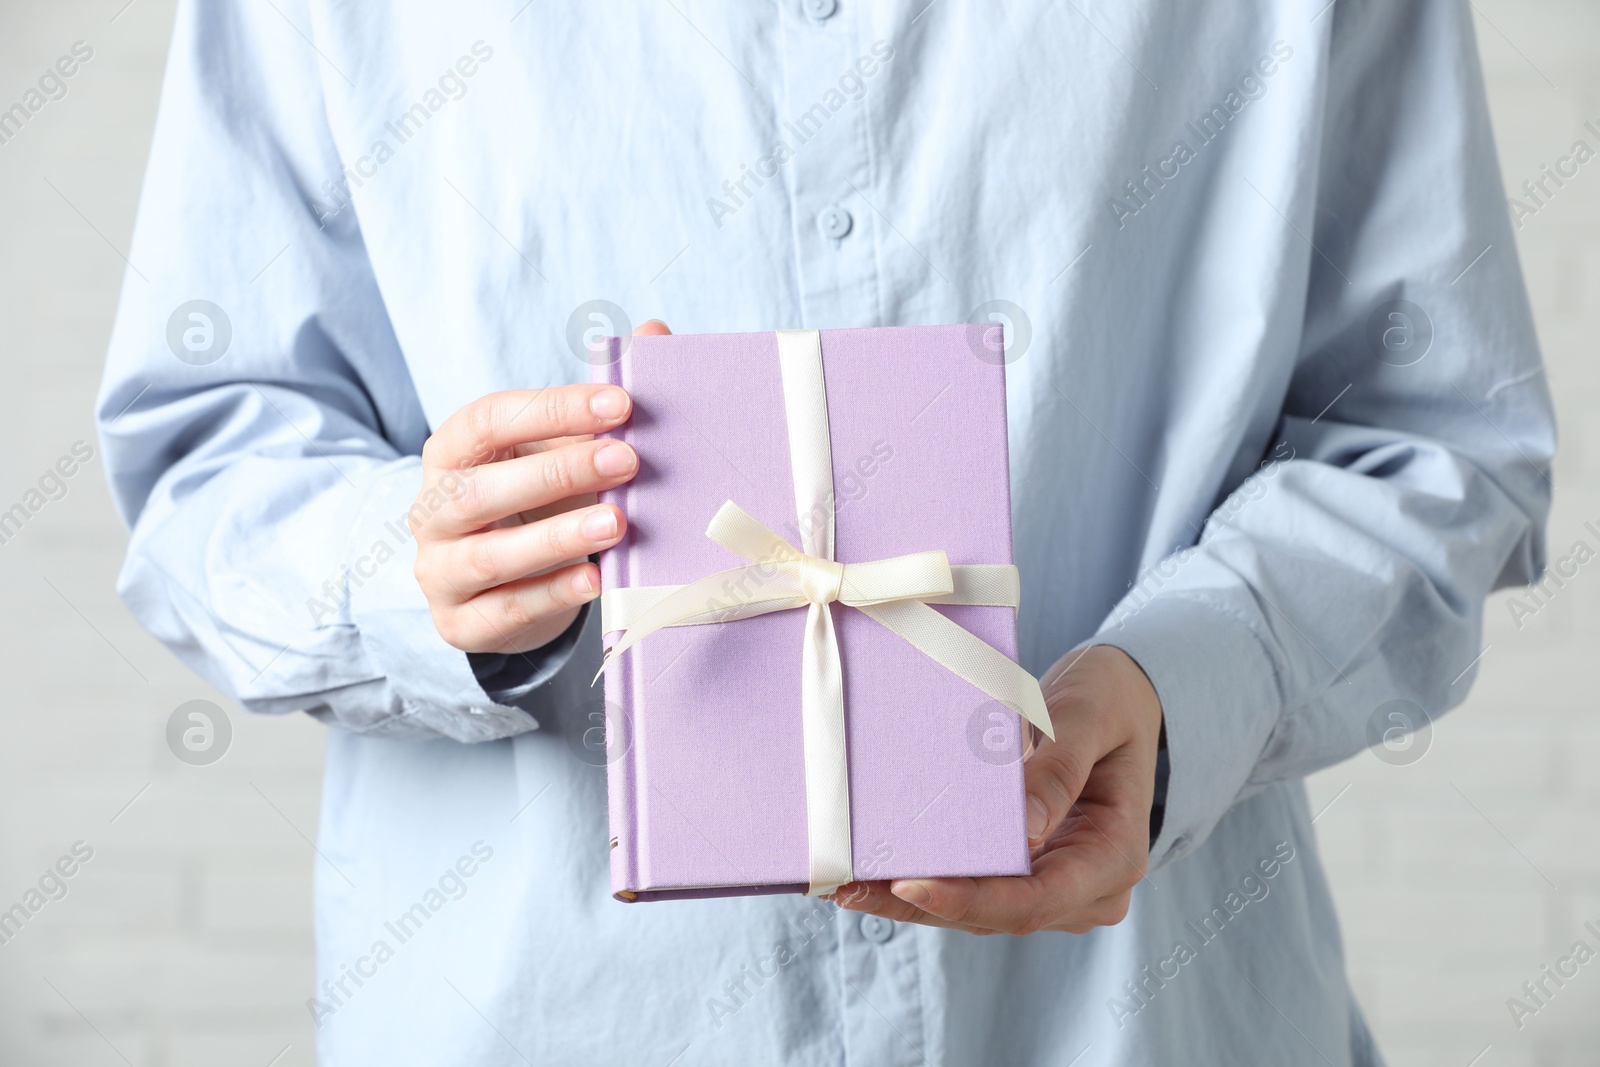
(621, 779)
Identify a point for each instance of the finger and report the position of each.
(495, 424)
(1100, 855)
(874, 898)
(485, 560)
(1107, 910)
(1115, 808)
(996, 905)
(511, 617)
(495, 491)
(652, 328)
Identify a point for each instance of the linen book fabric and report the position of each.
(706, 774)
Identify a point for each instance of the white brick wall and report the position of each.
(186, 939)
(1444, 919)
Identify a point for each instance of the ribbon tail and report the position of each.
(963, 654)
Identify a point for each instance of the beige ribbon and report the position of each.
(895, 592)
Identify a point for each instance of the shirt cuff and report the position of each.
(435, 684)
(1219, 702)
(507, 677)
(1158, 799)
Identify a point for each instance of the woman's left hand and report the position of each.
(1089, 797)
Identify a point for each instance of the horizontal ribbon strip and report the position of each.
(984, 584)
(887, 590)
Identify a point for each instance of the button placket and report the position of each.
(880, 1005)
(825, 129)
(881, 994)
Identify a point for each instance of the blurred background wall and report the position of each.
(1463, 864)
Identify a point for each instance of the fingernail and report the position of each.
(600, 525)
(1038, 818)
(583, 582)
(614, 460)
(915, 893)
(609, 404)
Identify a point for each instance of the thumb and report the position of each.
(1101, 702)
(1056, 771)
(653, 328)
(1054, 777)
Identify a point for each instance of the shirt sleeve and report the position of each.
(1410, 471)
(261, 430)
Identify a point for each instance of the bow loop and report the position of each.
(918, 576)
(741, 533)
(781, 566)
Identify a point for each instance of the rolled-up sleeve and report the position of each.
(260, 425)
(1409, 474)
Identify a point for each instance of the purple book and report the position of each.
(707, 784)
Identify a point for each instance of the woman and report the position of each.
(1278, 430)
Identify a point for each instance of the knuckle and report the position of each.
(479, 420)
(552, 410)
(417, 518)
(558, 539)
(480, 562)
(517, 612)
(1114, 910)
(1049, 909)
(1063, 771)
(423, 571)
(963, 910)
(1031, 921)
(561, 476)
(449, 627)
(854, 894)
(463, 500)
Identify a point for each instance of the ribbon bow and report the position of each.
(895, 592)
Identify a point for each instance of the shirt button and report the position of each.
(834, 222)
(876, 928)
(819, 9)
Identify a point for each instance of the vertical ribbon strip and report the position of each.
(805, 407)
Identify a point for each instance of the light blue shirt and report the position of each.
(1277, 420)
